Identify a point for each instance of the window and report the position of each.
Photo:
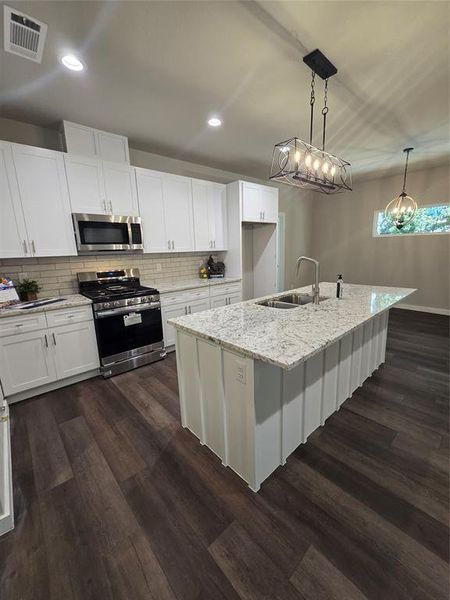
(429, 219)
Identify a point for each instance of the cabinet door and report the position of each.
(196, 306)
(120, 189)
(75, 348)
(269, 204)
(13, 235)
(112, 147)
(201, 205)
(80, 139)
(217, 301)
(217, 216)
(151, 208)
(178, 213)
(170, 312)
(251, 202)
(234, 298)
(85, 183)
(45, 200)
(25, 362)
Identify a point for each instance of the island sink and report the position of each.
(291, 301)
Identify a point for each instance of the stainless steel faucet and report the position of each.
(315, 287)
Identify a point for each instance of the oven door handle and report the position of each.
(125, 310)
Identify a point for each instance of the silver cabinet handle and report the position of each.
(190, 310)
(46, 340)
(264, 215)
(214, 243)
(54, 338)
(19, 325)
(111, 206)
(185, 310)
(168, 244)
(33, 247)
(173, 245)
(25, 249)
(104, 205)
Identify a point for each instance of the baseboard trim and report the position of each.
(427, 309)
(50, 387)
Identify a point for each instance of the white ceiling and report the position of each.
(157, 71)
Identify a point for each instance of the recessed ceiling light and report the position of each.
(72, 62)
(214, 122)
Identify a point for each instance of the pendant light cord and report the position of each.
(324, 113)
(311, 102)
(407, 150)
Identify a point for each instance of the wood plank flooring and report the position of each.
(114, 500)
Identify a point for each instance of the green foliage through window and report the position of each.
(428, 219)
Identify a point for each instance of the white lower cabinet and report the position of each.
(189, 302)
(45, 354)
(170, 312)
(217, 301)
(6, 486)
(26, 362)
(75, 348)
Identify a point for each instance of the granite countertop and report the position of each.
(286, 338)
(69, 302)
(179, 286)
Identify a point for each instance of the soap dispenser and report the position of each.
(339, 286)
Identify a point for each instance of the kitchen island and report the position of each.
(256, 381)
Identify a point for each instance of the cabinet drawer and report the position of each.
(184, 297)
(225, 289)
(69, 315)
(22, 324)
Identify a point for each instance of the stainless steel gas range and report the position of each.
(127, 319)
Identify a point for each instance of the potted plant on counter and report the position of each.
(28, 289)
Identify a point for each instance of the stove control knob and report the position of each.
(117, 303)
(106, 305)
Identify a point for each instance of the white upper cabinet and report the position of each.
(151, 208)
(178, 213)
(112, 147)
(217, 212)
(13, 235)
(86, 184)
(120, 189)
(269, 204)
(251, 202)
(45, 202)
(209, 210)
(87, 141)
(100, 187)
(200, 201)
(259, 203)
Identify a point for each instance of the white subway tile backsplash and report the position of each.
(57, 275)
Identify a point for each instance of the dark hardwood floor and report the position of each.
(114, 500)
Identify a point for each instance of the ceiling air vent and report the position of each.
(23, 35)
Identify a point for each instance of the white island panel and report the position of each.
(255, 381)
(252, 414)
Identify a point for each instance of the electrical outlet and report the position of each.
(241, 372)
(158, 267)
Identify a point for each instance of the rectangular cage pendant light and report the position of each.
(301, 164)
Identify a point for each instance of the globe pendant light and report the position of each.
(302, 164)
(401, 210)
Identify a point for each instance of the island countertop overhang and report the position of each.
(286, 338)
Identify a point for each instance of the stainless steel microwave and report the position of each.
(107, 233)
